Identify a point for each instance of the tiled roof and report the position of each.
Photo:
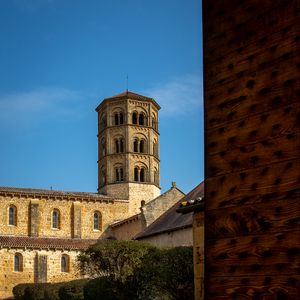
(171, 220)
(129, 95)
(44, 243)
(54, 193)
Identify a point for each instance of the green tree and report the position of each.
(114, 259)
(166, 274)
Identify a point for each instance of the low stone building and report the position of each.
(174, 229)
(42, 231)
(128, 228)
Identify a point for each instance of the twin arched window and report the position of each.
(119, 174)
(18, 262)
(119, 145)
(139, 174)
(139, 145)
(65, 263)
(119, 118)
(139, 119)
(55, 219)
(12, 215)
(97, 220)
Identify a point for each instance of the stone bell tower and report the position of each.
(128, 143)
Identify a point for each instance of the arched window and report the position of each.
(135, 145)
(142, 146)
(139, 174)
(141, 119)
(142, 175)
(65, 263)
(18, 262)
(134, 118)
(12, 215)
(55, 219)
(97, 220)
(136, 174)
(119, 145)
(119, 174)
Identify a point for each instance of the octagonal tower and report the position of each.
(128, 148)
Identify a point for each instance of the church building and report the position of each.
(42, 231)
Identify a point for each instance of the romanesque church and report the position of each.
(42, 231)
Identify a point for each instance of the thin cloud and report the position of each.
(179, 96)
(40, 104)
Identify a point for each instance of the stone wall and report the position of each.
(29, 274)
(34, 216)
(156, 207)
(127, 229)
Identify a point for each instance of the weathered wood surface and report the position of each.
(253, 287)
(252, 149)
(271, 216)
(255, 186)
(263, 254)
(256, 128)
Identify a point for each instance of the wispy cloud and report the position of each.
(40, 104)
(179, 96)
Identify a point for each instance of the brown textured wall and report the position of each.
(252, 155)
(31, 257)
(34, 216)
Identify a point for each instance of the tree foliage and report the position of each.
(146, 271)
(113, 259)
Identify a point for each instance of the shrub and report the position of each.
(30, 291)
(72, 290)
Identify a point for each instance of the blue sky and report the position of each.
(60, 58)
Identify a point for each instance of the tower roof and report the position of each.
(128, 95)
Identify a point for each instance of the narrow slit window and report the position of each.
(141, 119)
(18, 262)
(64, 265)
(136, 174)
(121, 119)
(135, 145)
(12, 215)
(142, 175)
(97, 220)
(55, 219)
(134, 118)
(142, 146)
